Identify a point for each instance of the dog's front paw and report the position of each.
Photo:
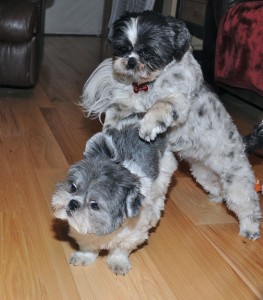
(250, 235)
(82, 258)
(216, 198)
(149, 129)
(250, 229)
(119, 264)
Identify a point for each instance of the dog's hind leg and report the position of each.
(208, 179)
(237, 189)
(242, 199)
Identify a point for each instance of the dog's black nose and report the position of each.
(73, 204)
(131, 63)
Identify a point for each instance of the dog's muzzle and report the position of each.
(131, 64)
(73, 205)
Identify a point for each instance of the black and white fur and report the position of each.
(114, 195)
(155, 49)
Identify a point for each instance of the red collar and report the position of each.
(140, 87)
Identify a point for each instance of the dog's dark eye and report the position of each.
(119, 51)
(145, 53)
(73, 188)
(124, 49)
(94, 205)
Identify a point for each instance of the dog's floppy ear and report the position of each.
(100, 144)
(182, 37)
(134, 201)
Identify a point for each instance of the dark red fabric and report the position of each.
(239, 48)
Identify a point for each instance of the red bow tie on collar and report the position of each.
(139, 87)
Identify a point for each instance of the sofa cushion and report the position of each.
(18, 20)
(239, 48)
(18, 72)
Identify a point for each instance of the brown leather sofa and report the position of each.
(21, 41)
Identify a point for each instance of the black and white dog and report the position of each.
(154, 72)
(114, 195)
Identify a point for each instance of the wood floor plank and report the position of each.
(71, 133)
(193, 202)
(245, 257)
(191, 266)
(143, 282)
(147, 278)
(37, 136)
(99, 282)
(86, 48)
(8, 120)
(34, 218)
(63, 66)
(40, 97)
(19, 275)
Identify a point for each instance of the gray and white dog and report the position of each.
(114, 195)
(153, 71)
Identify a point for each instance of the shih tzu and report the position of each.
(153, 71)
(114, 195)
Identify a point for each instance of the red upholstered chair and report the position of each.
(21, 41)
(233, 47)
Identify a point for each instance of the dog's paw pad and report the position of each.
(146, 136)
(149, 129)
(216, 199)
(150, 134)
(249, 228)
(82, 258)
(250, 235)
(119, 266)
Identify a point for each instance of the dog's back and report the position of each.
(132, 148)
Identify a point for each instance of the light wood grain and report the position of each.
(194, 253)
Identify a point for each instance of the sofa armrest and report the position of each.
(19, 20)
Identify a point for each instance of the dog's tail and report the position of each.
(254, 141)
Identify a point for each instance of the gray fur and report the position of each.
(132, 148)
(102, 177)
(179, 103)
(114, 195)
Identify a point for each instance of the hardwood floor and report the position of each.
(194, 253)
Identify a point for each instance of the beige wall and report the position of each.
(74, 16)
(169, 7)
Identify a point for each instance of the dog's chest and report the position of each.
(137, 102)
